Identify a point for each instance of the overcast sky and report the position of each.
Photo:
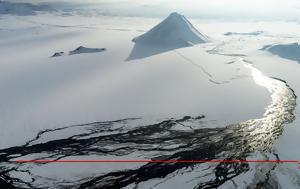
(232, 9)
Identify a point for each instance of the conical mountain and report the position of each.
(175, 30)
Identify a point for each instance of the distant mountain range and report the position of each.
(22, 9)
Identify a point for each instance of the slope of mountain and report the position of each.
(288, 51)
(172, 33)
(174, 30)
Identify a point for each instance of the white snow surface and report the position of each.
(41, 93)
(38, 92)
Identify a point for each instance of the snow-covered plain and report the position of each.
(43, 92)
(212, 78)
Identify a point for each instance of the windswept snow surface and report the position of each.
(220, 100)
(47, 92)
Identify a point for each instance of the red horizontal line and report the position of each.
(156, 161)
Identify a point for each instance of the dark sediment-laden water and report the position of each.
(184, 138)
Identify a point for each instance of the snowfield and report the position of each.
(145, 88)
(55, 92)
